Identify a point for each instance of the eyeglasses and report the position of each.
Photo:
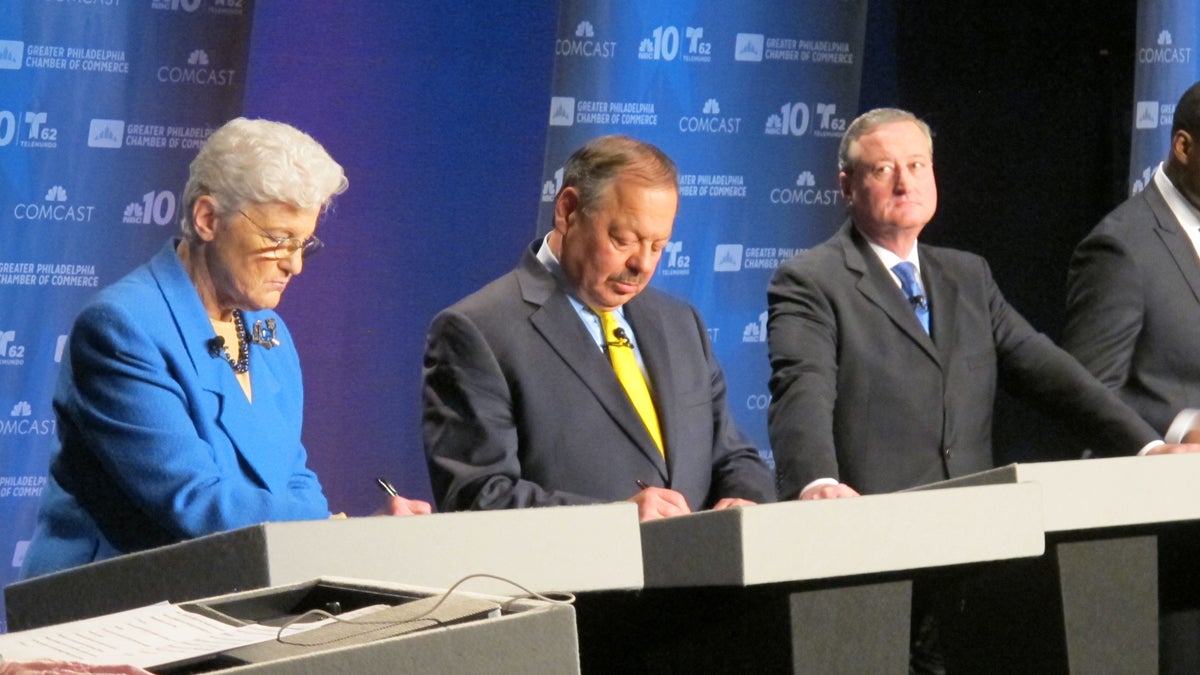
(286, 247)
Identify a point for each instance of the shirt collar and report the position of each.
(1183, 210)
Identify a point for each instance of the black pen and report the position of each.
(387, 487)
(642, 484)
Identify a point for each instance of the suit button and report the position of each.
(947, 452)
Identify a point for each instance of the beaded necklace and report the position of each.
(242, 365)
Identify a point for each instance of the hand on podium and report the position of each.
(732, 502)
(1192, 445)
(829, 491)
(655, 502)
(399, 506)
(51, 667)
(1182, 436)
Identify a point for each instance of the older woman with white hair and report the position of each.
(179, 403)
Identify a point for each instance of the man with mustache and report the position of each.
(568, 381)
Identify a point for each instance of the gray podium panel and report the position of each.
(1105, 519)
(569, 548)
(821, 539)
(806, 587)
(1111, 492)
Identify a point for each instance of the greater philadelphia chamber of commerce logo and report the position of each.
(584, 45)
(562, 111)
(11, 53)
(1153, 114)
(106, 133)
(197, 71)
(736, 257)
(663, 44)
(710, 121)
(566, 111)
(712, 185)
(748, 47)
(727, 258)
(756, 47)
(1165, 51)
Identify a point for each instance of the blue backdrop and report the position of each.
(102, 105)
(1168, 62)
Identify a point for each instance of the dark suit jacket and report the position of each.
(1133, 308)
(157, 442)
(863, 395)
(522, 408)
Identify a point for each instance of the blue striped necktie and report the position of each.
(907, 273)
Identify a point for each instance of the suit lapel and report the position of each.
(942, 290)
(1178, 244)
(255, 443)
(557, 322)
(876, 284)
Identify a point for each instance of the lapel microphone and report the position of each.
(918, 301)
(215, 345)
(622, 340)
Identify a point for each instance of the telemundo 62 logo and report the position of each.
(674, 262)
(12, 353)
(37, 131)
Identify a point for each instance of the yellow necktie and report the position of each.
(620, 353)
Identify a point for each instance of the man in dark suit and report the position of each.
(522, 404)
(1133, 298)
(1133, 320)
(865, 398)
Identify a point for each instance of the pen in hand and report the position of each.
(387, 487)
(642, 484)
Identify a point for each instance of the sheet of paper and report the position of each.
(144, 637)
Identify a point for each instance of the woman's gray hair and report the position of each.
(870, 121)
(593, 167)
(259, 162)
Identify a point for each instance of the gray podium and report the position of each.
(570, 548)
(806, 587)
(1092, 604)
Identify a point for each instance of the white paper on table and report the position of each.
(144, 637)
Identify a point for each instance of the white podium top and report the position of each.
(563, 548)
(795, 541)
(1091, 493)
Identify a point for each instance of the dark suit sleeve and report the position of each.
(1105, 307)
(738, 470)
(472, 438)
(1032, 366)
(802, 339)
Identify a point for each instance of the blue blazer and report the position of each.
(157, 442)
